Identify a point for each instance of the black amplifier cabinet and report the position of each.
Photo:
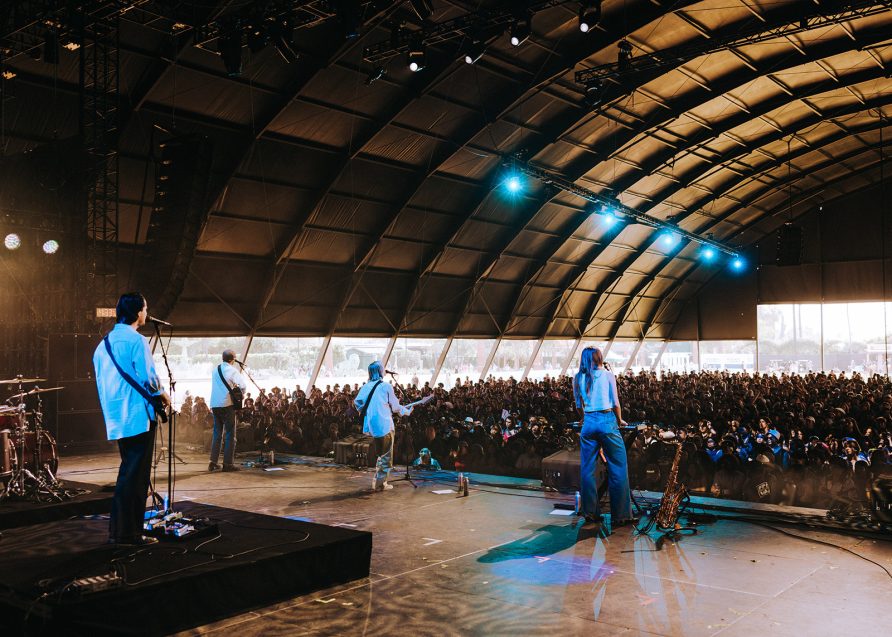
(356, 451)
(560, 471)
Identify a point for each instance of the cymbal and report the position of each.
(16, 381)
(36, 390)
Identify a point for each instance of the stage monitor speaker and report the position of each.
(789, 245)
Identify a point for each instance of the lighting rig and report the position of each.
(514, 18)
(609, 205)
(273, 23)
(629, 69)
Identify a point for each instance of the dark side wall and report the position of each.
(847, 256)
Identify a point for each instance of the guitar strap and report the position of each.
(149, 398)
(368, 401)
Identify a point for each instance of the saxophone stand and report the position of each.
(676, 532)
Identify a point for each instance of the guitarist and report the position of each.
(225, 379)
(376, 403)
(132, 400)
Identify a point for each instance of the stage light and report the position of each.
(475, 52)
(514, 184)
(589, 15)
(738, 264)
(229, 46)
(669, 239)
(51, 246)
(415, 55)
(610, 218)
(708, 254)
(12, 241)
(521, 30)
(624, 56)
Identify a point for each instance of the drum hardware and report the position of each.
(28, 457)
(21, 380)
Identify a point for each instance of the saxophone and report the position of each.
(667, 516)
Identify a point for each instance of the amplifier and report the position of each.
(560, 471)
(356, 451)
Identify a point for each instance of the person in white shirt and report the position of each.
(130, 417)
(224, 411)
(381, 403)
(594, 389)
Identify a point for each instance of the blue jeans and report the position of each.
(383, 448)
(224, 428)
(601, 429)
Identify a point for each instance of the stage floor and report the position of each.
(498, 563)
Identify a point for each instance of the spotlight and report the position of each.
(589, 15)
(610, 218)
(708, 254)
(624, 56)
(12, 241)
(229, 46)
(51, 246)
(514, 184)
(594, 94)
(475, 52)
(738, 264)
(669, 239)
(521, 30)
(415, 57)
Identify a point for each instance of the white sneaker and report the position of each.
(386, 486)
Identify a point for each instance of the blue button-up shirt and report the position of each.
(126, 412)
(379, 417)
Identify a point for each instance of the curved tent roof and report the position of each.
(349, 206)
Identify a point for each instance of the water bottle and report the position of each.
(272, 456)
(461, 481)
(465, 484)
(578, 502)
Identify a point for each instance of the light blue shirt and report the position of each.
(219, 393)
(602, 394)
(379, 418)
(126, 412)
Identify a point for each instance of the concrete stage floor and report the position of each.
(497, 563)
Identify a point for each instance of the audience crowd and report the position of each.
(810, 440)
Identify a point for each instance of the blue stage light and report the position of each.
(669, 239)
(738, 264)
(708, 254)
(514, 183)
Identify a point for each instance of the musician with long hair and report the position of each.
(594, 390)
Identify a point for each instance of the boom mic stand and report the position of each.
(171, 423)
(261, 461)
(407, 477)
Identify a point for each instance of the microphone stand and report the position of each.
(261, 461)
(171, 422)
(402, 397)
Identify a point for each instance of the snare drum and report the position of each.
(9, 420)
(48, 454)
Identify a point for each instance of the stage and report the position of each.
(499, 563)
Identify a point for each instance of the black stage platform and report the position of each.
(95, 500)
(254, 560)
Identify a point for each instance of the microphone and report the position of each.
(387, 371)
(158, 321)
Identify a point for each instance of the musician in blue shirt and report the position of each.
(594, 389)
(129, 417)
(378, 420)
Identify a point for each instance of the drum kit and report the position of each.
(28, 456)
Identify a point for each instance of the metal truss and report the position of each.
(24, 24)
(803, 18)
(482, 21)
(301, 14)
(568, 186)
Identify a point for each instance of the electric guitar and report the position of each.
(423, 401)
